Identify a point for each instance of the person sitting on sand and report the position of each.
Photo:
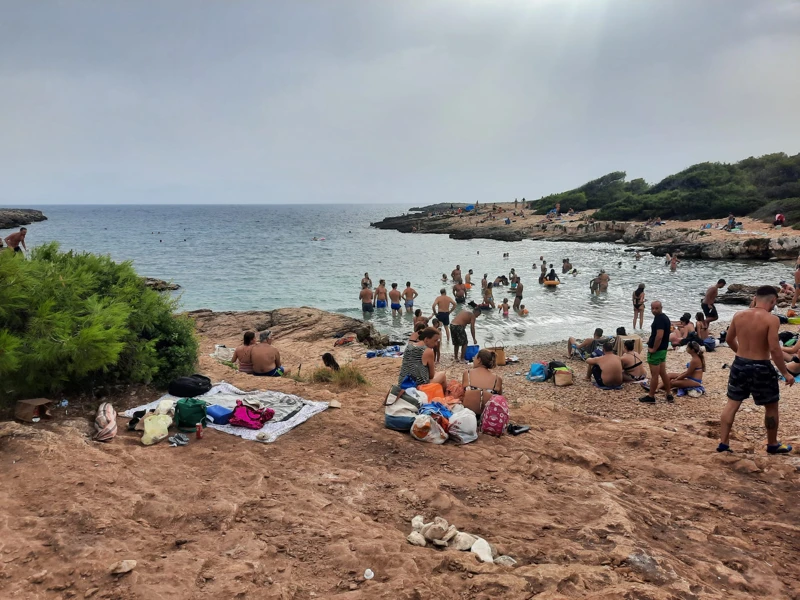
(504, 307)
(480, 384)
(693, 375)
(414, 337)
(459, 329)
(266, 358)
(701, 326)
(633, 368)
(606, 369)
(786, 288)
(395, 296)
(419, 360)
(587, 346)
(682, 330)
(243, 353)
(442, 307)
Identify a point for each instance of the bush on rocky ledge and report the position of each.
(72, 321)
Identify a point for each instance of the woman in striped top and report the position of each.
(418, 359)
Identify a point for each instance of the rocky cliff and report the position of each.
(17, 217)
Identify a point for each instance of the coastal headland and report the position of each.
(19, 217)
(603, 498)
(757, 240)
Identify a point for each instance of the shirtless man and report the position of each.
(409, 294)
(381, 294)
(518, 296)
(606, 369)
(753, 336)
(367, 299)
(460, 292)
(709, 310)
(366, 280)
(485, 279)
(459, 327)
(455, 274)
(395, 296)
(602, 281)
(266, 358)
(796, 284)
(14, 240)
(673, 263)
(442, 307)
(468, 279)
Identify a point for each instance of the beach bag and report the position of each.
(156, 428)
(494, 418)
(400, 403)
(499, 355)
(105, 423)
(463, 426)
(786, 336)
(249, 417)
(189, 387)
(563, 377)
(537, 373)
(408, 382)
(471, 352)
(426, 429)
(710, 344)
(431, 390)
(189, 412)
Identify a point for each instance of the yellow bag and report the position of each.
(156, 428)
(499, 355)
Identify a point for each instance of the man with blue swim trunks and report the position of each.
(395, 296)
(442, 307)
(381, 295)
(408, 295)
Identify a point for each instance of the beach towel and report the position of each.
(290, 410)
(105, 423)
(693, 392)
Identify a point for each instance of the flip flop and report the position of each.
(517, 429)
(779, 449)
(179, 440)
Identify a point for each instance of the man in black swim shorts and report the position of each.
(753, 336)
(709, 310)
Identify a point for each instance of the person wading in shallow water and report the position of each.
(753, 336)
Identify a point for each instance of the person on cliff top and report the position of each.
(366, 280)
(15, 240)
(395, 296)
(367, 299)
(709, 310)
(459, 331)
(657, 347)
(753, 336)
(409, 294)
(442, 307)
(381, 294)
(266, 358)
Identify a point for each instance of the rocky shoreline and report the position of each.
(19, 217)
(687, 241)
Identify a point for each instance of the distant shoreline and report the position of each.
(19, 217)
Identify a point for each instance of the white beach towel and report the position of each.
(290, 410)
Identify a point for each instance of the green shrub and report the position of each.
(346, 378)
(70, 321)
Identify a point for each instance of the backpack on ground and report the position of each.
(189, 387)
(249, 417)
(189, 412)
(538, 372)
(494, 418)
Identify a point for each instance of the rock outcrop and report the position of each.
(18, 217)
(738, 293)
(160, 285)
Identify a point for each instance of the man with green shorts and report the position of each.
(657, 347)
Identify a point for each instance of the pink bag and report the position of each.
(245, 416)
(494, 418)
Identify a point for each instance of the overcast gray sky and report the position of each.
(406, 101)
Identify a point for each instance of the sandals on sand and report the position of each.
(779, 449)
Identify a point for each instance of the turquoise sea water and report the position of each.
(239, 257)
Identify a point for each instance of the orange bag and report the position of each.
(432, 390)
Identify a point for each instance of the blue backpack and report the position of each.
(538, 372)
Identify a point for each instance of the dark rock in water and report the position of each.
(160, 285)
(18, 217)
(738, 293)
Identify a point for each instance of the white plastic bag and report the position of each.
(463, 425)
(155, 429)
(223, 353)
(426, 429)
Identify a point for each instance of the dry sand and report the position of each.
(604, 498)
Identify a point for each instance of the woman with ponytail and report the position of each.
(693, 375)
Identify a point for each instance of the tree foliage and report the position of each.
(703, 191)
(69, 321)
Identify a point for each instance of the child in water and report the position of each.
(444, 277)
(523, 312)
(437, 351)
(504, 307)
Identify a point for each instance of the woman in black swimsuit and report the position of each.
(633, 368)
(480, 384)
(638, 305)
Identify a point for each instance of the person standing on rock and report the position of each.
(709, 310)
(753, 336)
(657, 347)
(442, 307)
(409, 294)
(367, 299)
(14, 240)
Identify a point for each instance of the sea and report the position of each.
(262, 257)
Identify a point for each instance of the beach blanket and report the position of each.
(290, 410)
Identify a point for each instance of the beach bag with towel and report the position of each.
(189, 412)
(463, 425)
(426, 428)
(431, 390)
(494, 418)
(105, 423)
(454, 390)
(471, 352)
(499, 354)
(563, 377)
(189, 387)
(249, 417)
(538, 372)
(401, 407)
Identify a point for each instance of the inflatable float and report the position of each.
(551, 283)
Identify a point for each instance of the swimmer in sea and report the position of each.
(395, 296)
(673, 263)
(409, 294)
(602, 281)
(381, 295)
(468, 279)
(460, 293)
(504, 307)
(366, 280)
(523, 312)
(367, 299)
(485, 281)
(456, 274)
(637, 256)
(444, 277)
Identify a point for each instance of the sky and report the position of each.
(376, 101)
